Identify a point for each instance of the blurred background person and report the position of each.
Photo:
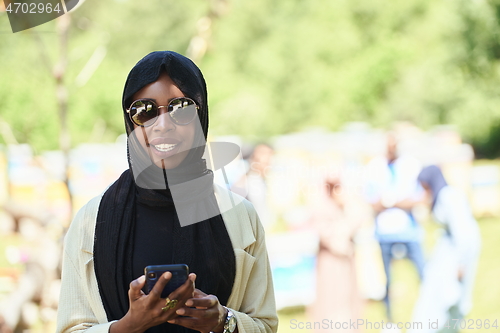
(255, 182)
(393, 191)
(446, 291)
(336, 222)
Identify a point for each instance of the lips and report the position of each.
(164, 147)
(159, 141)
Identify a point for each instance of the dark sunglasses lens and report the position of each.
(183, 111)
(143, 113)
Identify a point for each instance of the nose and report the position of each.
(164, 123)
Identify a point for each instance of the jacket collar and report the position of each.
(234, 210)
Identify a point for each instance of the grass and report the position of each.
(487, 287)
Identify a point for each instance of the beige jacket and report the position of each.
(252, 298)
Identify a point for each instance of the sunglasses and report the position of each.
(144, 112)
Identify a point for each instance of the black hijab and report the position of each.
(433, 177)
(205, 246)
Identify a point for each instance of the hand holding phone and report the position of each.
(153, 273)
(146, 310)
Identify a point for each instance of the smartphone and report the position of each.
(153, 273)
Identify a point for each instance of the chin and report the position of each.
(170, 162)
(167, 165)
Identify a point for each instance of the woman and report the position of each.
(446, 291)
(154, 215)
(337, 297)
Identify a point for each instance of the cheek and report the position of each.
(141, 136)
(188, 134)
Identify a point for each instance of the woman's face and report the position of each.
(166, 143)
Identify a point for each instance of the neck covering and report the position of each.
(433, 177)
(205, 246)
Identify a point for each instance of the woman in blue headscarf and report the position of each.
(446, 291)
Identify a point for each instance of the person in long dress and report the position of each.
(337, 297)
(446, 291)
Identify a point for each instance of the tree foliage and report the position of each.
(273, 67)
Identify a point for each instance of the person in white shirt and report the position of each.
(392, 190)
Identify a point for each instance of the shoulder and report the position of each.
(81, 231)
(228, 200)
(240, 217)
(451, 195)
(84, 221)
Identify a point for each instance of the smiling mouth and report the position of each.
(164, 147)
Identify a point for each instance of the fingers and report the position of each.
(207, 315)
(136, 286)
(185, 291)
(195, 313)
(198, 293)
(189, 284)
(160, 284)
(203, 302)
(188, 322)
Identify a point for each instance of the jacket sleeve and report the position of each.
(257, 313)
(75, 313)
